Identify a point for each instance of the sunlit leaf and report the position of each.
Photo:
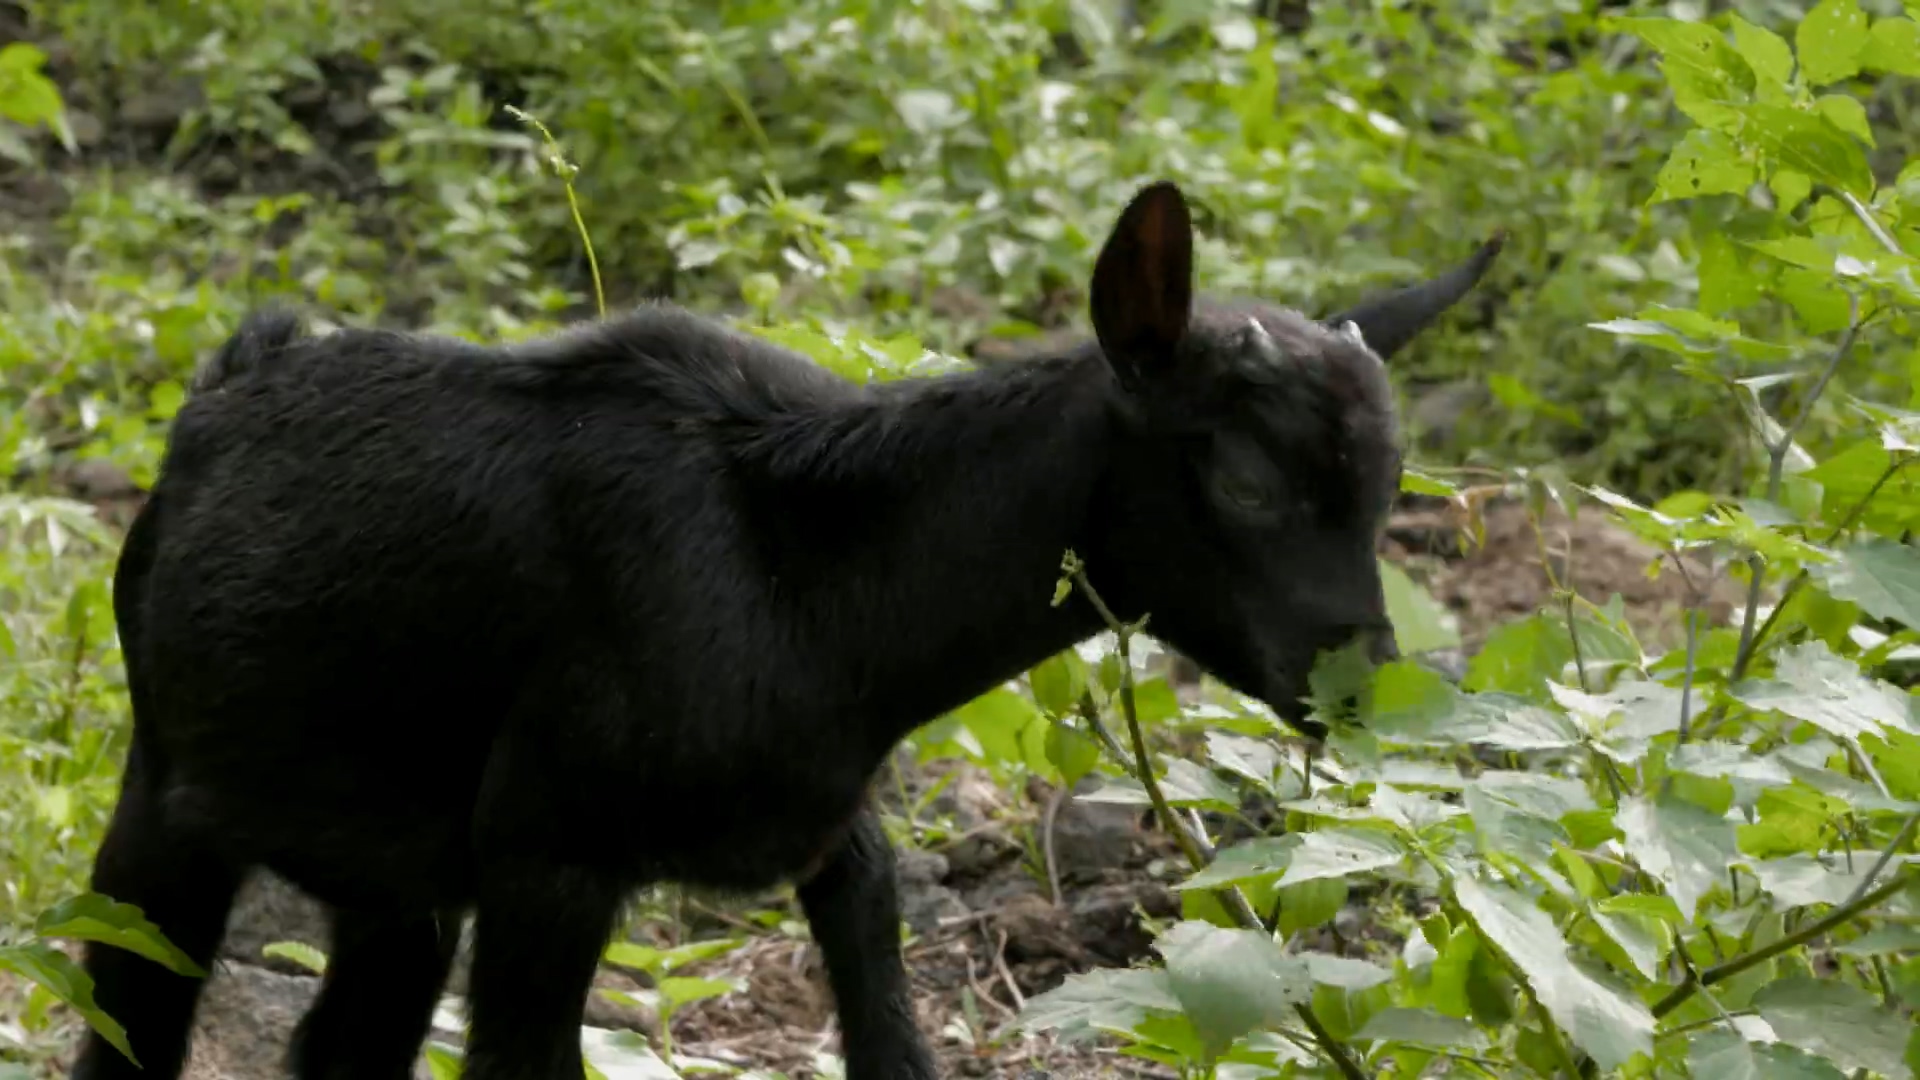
(1838, 1021)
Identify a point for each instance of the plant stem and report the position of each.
(1837, 917)
(1874, 228)
(1235, 901)
(1776, 465)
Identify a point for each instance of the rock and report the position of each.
(270, 909)
(246, 1018)
(925, 898)
(163, 106)
(1091, 837)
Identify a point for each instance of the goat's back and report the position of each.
(368, 549)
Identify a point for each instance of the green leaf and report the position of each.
(1527, 727)
(1808, 143)
(1340, 853)
(1610, 1026)
(1072, 753)
(1684, 846)
(1765, 52)
(1893, 46)
(67, 982)
(1230, 982)
(1420, 623)
(1059, 681)
(1100, 1001)
(1829, 41)
(1249, 860)
(1704, 162)
(1518, 658)
(1884, 940)
(1847, 114)
(1837, 1021)
(623, 1055)
(1422, 1027)
(299, 952)
(1345, 972)
(1879, 574)
(1727, 1055)
(1811, 683)
(1258, 760)
(1642, 937)
(94, 917)
(1801, 879)
(1706, 75)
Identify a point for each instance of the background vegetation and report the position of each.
(1686, 849)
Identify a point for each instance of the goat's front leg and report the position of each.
(853, 906)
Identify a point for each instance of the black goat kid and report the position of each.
(430, 628)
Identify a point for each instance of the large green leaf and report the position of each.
(1829, 41)
(1610, 1026)
(1838, 1021)
(1766, 52)
(1801, 879)
(1420, 623)
(1808, 142)
(1705, 162)
(1814, 684)
(94, 917)
(1340, 853)
(1249, 860)
(1894, 46)
(1703, 70)
(1881, 575)
(67, 982)
(1422, 1027)
(1105, 1000)
(1683, 845)
(1726, 1055)
(1230, 982)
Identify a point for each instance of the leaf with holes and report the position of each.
(1705, 162)
(1809, 143)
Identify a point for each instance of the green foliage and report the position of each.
(1589, 858)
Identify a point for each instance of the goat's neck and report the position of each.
(951, 504)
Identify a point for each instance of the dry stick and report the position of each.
(1837, 917)
(1046, 841)
(1235, 902)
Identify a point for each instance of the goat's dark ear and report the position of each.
(1142, 294)
(1389, 322)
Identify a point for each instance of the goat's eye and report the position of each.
(1242, 491)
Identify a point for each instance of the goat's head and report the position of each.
(1259, 458)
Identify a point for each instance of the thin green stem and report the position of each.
(1190, 847)
(1723, 971)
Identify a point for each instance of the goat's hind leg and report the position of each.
(853, 906)
(383, 977)
(185, 889)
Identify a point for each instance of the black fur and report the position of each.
(428, 627)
